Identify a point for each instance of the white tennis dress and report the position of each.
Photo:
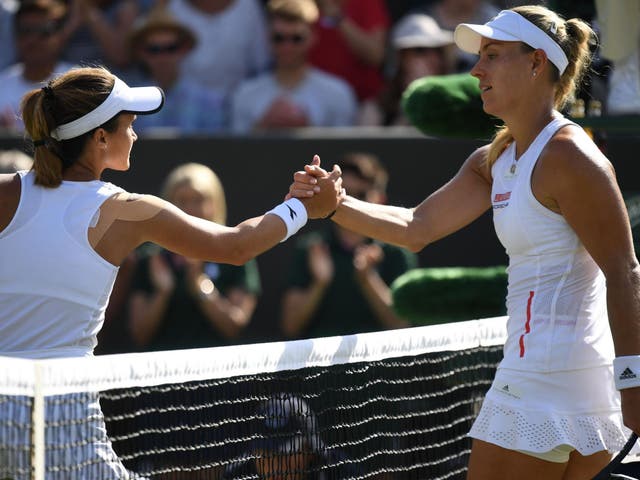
(555, 384)
(54, 289)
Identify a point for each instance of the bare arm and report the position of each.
(576, 179)
(146, 218)
(456, 204)
(228, 314)
(374, 288)
(367, 46)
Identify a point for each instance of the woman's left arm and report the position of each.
(578, 181)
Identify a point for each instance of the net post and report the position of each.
(37, 426)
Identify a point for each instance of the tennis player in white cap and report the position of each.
(553, 411)
(64, 232)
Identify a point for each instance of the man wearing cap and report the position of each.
(287, 445)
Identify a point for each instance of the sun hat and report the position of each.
(159, 19)
(138, 100)
(419, 30)
(510, 26)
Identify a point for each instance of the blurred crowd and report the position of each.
(244, 66)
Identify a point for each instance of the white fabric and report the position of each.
(293, 213)
(327, 100)
(556, 300)
(106, 372)
(540, 411)
(14, 86)
(510, 26)
(122, 98)
(555, 383)
(232, 45)
(54, 287)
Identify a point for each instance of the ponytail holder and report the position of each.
(48, 91)
(40, 143)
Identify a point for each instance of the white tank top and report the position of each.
(54, 287)
(556, 300)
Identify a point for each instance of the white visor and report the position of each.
(138, 100)
(510, 26)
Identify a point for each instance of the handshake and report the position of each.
(320, 191)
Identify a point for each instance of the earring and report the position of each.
(535, 73)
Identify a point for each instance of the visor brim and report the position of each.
(468, 36)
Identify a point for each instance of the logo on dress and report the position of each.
(501, 200)
(510, 391)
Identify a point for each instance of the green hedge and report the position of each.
(426, 296)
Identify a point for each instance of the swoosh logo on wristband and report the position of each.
(292, 213)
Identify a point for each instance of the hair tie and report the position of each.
(48, 91)
(40, 143)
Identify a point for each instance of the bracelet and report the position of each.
(626, 371)
(293, 214)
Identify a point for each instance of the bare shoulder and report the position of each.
(9, 197)
(136, 207)
(9, 186)
(477, 162)
(571, 152)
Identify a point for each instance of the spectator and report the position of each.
(12, 161)
(339, 282)
(178, 302)
(449, 13)
(160, 44)
(8, 9)
(39, 42)
(97, 31)
(351, 44)
(620, 25)
(232, 40)
(287, 444)
(294, 94)
(421, 49)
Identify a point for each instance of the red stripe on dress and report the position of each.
(527, 325)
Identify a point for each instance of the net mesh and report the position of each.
(380, 406)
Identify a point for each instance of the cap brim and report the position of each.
(468, 36)
(421, 42)
(143, 100)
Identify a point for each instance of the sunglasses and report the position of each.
(295, 38)
(42, 31)
(158, 49)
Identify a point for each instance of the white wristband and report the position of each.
(292, 213)
(626, 371)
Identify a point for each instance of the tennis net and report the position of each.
(385, 405)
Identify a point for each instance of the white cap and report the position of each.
(510, 26)
(419, 30)
(139, 100)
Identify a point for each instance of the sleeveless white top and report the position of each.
(54, 287)
(556, 301)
